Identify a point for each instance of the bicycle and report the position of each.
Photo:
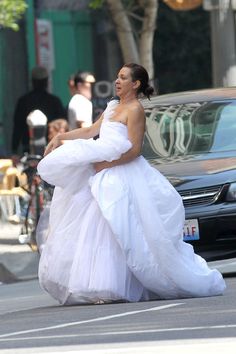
(40, 193)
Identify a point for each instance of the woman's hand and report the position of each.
(99, 166)
(53, 144)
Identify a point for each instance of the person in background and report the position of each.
(38, 98)
(57, 126)
(71, 85)
(80, 108)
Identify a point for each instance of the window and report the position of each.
(189, 129)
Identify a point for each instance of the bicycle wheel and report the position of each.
(28, 231)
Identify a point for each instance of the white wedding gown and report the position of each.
(117, 234)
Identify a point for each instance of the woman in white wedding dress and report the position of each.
(116, 224)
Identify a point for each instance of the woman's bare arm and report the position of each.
(136, 128)
(80, 133)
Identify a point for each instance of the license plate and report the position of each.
(191, 230)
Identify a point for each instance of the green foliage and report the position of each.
(10, 12)
(96, 4)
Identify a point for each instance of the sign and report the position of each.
(45, 46)
(191, 230)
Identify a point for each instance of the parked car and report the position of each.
(191, 139)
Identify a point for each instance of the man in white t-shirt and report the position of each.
(80, 109)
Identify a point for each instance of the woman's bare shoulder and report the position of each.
(136, 109)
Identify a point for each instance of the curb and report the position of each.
(17, 261)
(18, 266)
(6, 277)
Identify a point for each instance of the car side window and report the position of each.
(225, 130)
(188, 129)
(169, 130)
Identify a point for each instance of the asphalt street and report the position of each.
(32, 322)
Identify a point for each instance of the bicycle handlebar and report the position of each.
(29, 159)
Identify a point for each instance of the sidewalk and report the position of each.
(17, 262)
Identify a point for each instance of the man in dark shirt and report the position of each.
(40, 99)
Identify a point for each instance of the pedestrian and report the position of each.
(37, 99)
(116, 223)
(80, 108)
(56, 126)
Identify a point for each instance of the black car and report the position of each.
(191, 139)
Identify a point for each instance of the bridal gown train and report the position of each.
(117, 234)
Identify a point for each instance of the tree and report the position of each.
(135, 24)
(11, 12)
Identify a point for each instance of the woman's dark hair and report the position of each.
(138, 72)
(83, 76)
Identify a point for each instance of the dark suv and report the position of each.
(191, 139)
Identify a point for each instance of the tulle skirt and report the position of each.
(120, 238)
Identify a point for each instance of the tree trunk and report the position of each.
(124, 31)
(147, 34)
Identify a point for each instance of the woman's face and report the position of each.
(124, 83)
(72, 87)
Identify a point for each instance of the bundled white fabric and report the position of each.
(70, 165)
(116, 234)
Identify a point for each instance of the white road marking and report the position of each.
(193, 346)
(64, 325)
(142, 331)
(27, 297)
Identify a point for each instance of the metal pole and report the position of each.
(222, 42)
(30, 34)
